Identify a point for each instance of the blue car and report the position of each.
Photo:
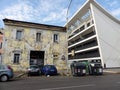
(49, 70)
(6, 73)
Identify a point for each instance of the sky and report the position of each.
(51, 12)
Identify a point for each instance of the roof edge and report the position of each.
(106, 12)
(88, 1)
(94, 2)
(31, 24)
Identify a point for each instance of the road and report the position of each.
(111, 82)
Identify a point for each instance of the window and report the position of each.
(38, 37)
(55, 38)
(88, 24)
(2, 67)
(0, 58)
(55, 58)
(0, 45)
(19, 35)
(82, 27)
(16, 58)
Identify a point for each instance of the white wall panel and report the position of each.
(108, 32)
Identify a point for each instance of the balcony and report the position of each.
(83, 26)
(81, 38)
(86, 54)
(87, 44)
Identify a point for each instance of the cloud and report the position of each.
(55, 16)
(19, 11)
(39, 11)
(113, 3)
(116, 12)
(53, 12)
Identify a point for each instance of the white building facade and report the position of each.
(94, 34)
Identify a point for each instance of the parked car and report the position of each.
(49, 70)
(6, 72)
(34, 70)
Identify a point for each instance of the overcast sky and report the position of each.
(51, 12)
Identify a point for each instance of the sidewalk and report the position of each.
(19, 74)
(107, 71)
(112, 70)
(68, 73)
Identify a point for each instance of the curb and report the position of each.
(112, 72)
(19, 75)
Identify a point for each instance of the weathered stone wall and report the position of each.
(28, 43)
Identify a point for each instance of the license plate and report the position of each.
(52, 70)
(33, 71)
(78, 70)
(100, 70)
(84, 71)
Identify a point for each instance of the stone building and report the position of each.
(27, 43)
(1, 44)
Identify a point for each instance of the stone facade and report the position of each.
(27, 43)
(1, 44)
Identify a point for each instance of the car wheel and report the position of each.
(4, 78)
(39, 72)
(72, 71)
(28, 74)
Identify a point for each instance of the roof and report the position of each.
(84, 8)
(11, 22)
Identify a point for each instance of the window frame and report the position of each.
(55, 58)
(55, 38)
(19, 34)
(1, 44)
(38, 36)
(16, 60)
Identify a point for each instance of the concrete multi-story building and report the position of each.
(27, 43)
(94, 34)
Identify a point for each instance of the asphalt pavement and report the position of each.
(103, 82)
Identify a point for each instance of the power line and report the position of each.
(67, 26)
(68, 9)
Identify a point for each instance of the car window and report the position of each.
(52, 66)
(2, 67)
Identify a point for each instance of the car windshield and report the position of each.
(33, 66)
(50, 66)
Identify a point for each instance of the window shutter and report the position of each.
(13, 34)
(12, 57)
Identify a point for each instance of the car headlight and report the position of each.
(29, 69)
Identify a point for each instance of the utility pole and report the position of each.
(67, 15)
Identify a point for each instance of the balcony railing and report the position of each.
(87, 45)
(83, 46)
(81, 38)
(87, 54)
(81, 27)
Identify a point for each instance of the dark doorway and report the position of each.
(37, 58)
